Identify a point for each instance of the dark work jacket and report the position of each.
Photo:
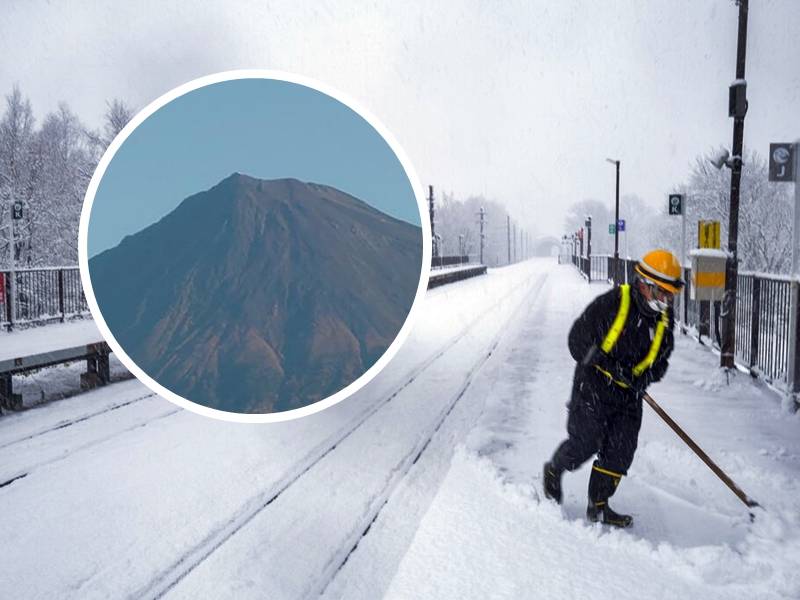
(633, 344)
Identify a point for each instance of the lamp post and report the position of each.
(616, 225)
(433, 222)
(737, 108)
(588, 224)
(589, 248)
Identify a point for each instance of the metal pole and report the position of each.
(728, 341)
(483, 216)
(433, 228)
(508, 236)
(11, 281)
(588, 237)
(516, 230)
(796, 244)
(683, 230)
(616, 231)
(682, 254)
(589, 249)
(793, 376)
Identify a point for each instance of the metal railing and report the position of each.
(764, 307)
(39, 295)
(438, 262)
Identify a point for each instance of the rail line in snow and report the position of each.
(408, 463)
(69, 422)
(185, 564)
(31, 468)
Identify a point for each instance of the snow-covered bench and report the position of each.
(97, 368)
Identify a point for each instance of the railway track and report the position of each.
(73, 421)
(183, 566)
(16, 473)
(418, 452)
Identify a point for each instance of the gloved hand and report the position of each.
(619, 371)
(639, 385)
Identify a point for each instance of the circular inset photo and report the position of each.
(253, 246)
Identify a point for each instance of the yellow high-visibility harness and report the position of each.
(616, 330)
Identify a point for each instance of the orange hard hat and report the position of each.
(662, 268)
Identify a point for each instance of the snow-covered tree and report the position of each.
(765, 216)
(68, 161)
(19, 169)
(456, 218)
(117, 115)
(765, 211)
(48, 170)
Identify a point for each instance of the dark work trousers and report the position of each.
(604, 419)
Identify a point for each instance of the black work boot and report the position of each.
(602, 485)
(601, 512)
(552, 482)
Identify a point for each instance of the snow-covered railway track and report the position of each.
(397, 441)
(64, 423)
(255, 507)
(426, 443)
(35, 452)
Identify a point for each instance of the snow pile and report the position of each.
(488, 537)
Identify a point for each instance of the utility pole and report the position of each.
(433, 228)
(589, 248)
(794, 334)
(483, 236)
(11, 281)
(508, 236)
(737, 108)
(616, 232)
(588, 236)
(515, 242)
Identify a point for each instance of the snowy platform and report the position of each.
(442, 275)
(424, 484)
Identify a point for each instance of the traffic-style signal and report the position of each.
(675, 206)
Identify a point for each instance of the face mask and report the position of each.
(657, 305)
(659, 300)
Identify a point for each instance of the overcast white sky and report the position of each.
(519, 100)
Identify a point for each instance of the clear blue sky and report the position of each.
(263, 128)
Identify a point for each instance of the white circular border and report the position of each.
(151, 383)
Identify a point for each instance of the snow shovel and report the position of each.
(749, 502)
(703, 456)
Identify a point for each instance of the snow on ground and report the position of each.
(424, 484)
(487, 535)
(143, 490)
(46, 338)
